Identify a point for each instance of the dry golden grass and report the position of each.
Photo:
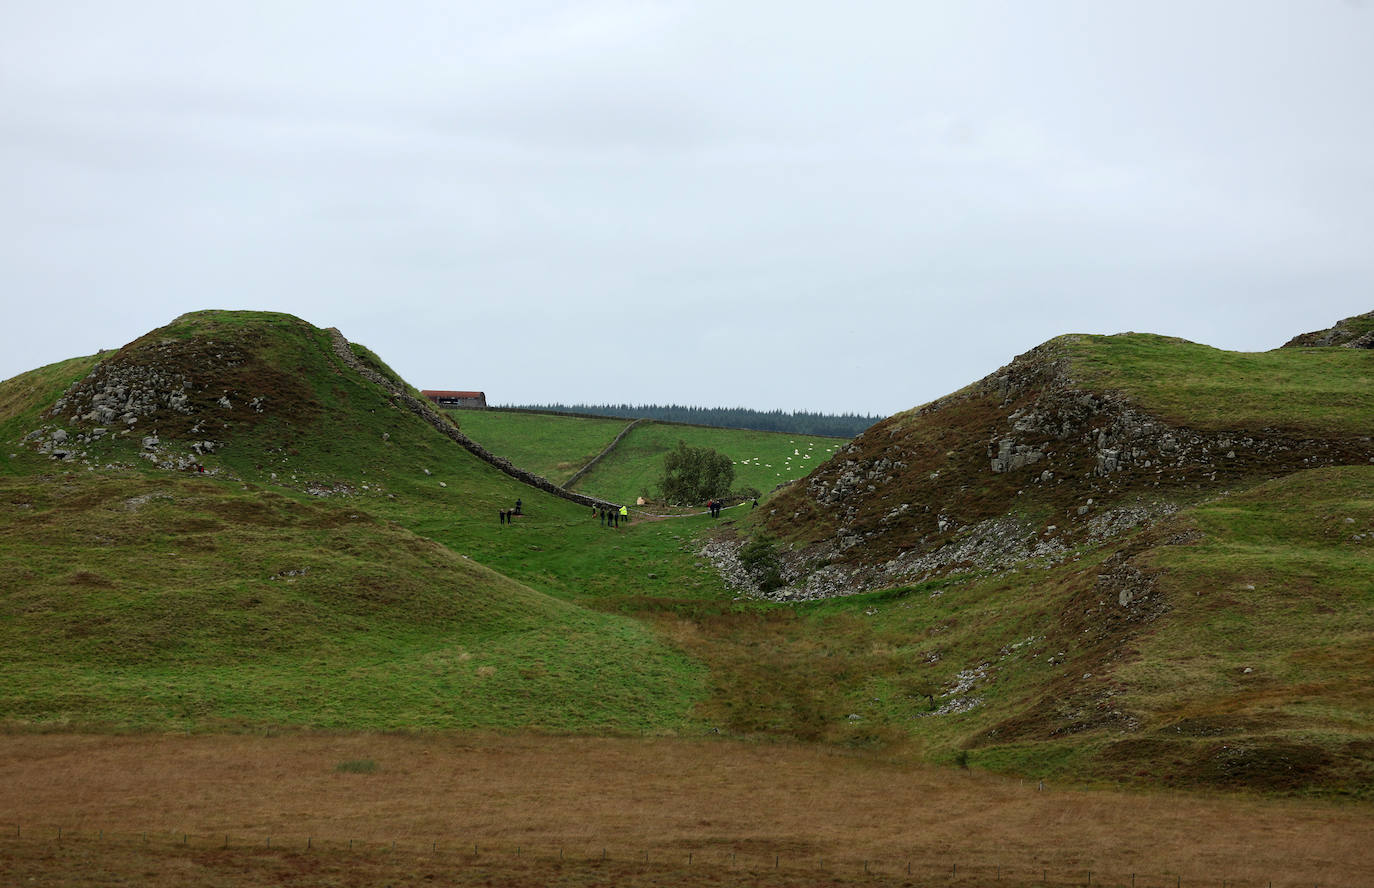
(757, 814)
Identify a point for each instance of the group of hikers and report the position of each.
(716, 506)
(611, 516)
(508, 515)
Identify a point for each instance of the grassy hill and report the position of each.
(1129, 557)
(1118, 559)
(182, 603)
(282, 586)
(1241, 661)
(1074, 442)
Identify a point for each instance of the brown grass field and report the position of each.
(238, 810)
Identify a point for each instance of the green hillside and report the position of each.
(23, 398)
(1068, 568)
(129, 585)
(557, 446)
(546, 444)
(1118, 559)
(1040, 670)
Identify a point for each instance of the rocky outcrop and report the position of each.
(1026, 465)
(1353, 332)
(183, 394)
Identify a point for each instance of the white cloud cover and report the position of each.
(800, 205)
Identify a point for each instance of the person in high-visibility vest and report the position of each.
(625, 514)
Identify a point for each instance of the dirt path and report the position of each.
(795, 810)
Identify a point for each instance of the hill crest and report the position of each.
(1051, 452)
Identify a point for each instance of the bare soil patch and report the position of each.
(236, 810)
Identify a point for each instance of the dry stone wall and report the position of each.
(422, 409)
(602, 455)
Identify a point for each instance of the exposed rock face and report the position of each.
(1353, 332)
(183, 395)
(1026, 464)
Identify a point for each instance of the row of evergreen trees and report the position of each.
(843, 425)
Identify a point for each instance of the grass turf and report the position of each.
(1318, 389)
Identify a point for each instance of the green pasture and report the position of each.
(549, 445)
(762, 460)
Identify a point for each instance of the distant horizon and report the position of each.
(800, 422)
(651, 405)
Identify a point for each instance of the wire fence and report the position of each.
(454, 853)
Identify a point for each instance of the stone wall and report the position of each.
(600, 456)
(422, 409)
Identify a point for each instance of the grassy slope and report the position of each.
(1069, 686)
(1268, 636)
(803, 671)
(120, 612)
(1066, 685)
(762, 460)
(1318, 389)
(571, 669)
(554, 447)
(22, 399)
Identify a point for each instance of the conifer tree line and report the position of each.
(842, 425)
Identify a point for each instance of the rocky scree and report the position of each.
(1025, 465)
(184, 395)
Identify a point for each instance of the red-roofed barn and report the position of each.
(472, 400)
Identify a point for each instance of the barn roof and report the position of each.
(435, 393)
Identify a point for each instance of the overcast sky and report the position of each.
(827, 206)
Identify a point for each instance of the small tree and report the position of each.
(693, 474)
